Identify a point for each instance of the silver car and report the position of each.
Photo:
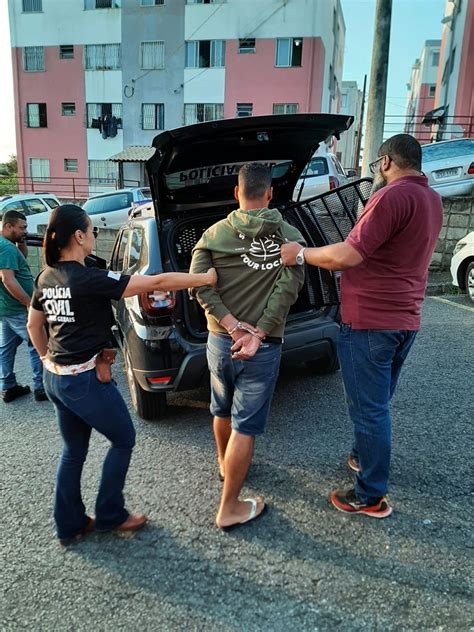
(323, 173)
(449, 166)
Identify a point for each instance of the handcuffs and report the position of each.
(240, 327)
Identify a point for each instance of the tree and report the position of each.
(8, 176)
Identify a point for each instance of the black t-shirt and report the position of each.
(76, 302)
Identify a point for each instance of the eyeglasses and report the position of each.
(373, 166)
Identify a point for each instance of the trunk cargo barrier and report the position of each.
(327, 219)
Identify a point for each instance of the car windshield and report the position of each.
(108, 203)
(438, 151)
(146, 194)
(316, 167)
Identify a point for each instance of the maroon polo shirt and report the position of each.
(396, 235)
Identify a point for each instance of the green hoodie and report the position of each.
(253, 285)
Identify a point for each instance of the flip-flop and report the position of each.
(221, 477)
(250, 517)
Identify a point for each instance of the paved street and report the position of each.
(303, 566)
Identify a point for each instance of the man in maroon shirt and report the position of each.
(385, 263)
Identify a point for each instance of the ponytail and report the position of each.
(62, 225)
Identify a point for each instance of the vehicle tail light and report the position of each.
(158, 303)
(471, 168)
(333, 182)
(160, 380)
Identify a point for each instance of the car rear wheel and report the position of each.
(148, 406)
(328, 364)
(470, 281)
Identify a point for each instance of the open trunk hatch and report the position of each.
(195, 167)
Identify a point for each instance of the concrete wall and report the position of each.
(141, 24)
(458, 222)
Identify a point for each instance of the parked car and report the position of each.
(192, 177)
(449, 166)
(462, 265)
(111, 210)
(323, 173)
(36, 207)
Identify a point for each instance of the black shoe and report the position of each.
(14, 392)
(348, 502)
(40, 395)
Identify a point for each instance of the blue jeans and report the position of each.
(371, 361)
(83, 403)
(242, 389)
(12, 333)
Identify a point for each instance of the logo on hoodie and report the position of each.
(264, 254)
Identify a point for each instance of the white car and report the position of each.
(462, 265)
(36, 207)
(323, 173)
(111, 210)
(449, 166)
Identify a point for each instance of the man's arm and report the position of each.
(13, 287)
(284, 294)
(340, 256)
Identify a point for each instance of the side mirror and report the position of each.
(350, 173)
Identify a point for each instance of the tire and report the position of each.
(469, 281)
(328, 364)
(148, 406)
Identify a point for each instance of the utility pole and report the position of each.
(378, 83)
(359, 130)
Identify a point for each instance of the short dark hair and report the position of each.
(12, 217)
(404, 150)
(63, 223)
(254, 180)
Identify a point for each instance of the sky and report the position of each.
(413, 22)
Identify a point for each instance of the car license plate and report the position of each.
(446, 173)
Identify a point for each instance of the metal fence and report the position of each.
(327, 219)
(67, 188)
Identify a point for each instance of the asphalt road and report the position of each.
(303, 566)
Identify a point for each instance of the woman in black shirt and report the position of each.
(73, 301)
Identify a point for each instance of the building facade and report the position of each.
(455, 80)
(92, 77)
(351, 104)
(422, 90)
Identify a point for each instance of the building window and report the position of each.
(32, 6)
(36, 115)
(39, 169)
(70, 164)
(289, 52)
(103, 172)
(435, 59)
(286, 108)
(96, 111)
(244, 109)
(432, 91)
(205, 54)
(102, 4)
(152, 55)
(247, 45)
(68, 109)
(152, 3)
(102, 57)
(33, 58)
(66, 51)
(205, 1)
(343, 100)
(153, 116)
(201, 112)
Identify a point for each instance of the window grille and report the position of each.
(32, 6)
(286, 108)
(102, 171)
(153, 116)
(39, 169)
(152, 55)
(102, 57)
(201, 112)
(33, 58)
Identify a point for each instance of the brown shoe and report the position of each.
(132, 523)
